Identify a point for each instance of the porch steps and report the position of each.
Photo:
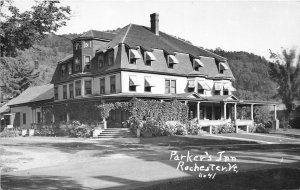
(116, 133)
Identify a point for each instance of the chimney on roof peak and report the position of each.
(154, 23)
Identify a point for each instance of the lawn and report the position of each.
(131, 163)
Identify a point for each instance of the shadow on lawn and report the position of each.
(283, 178)
(12, 182)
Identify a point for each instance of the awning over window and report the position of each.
(191, 84)
(133, 81)
(223, 66)
(198, 63)
(134, 54)
(203, 85)
(173, 59)
(218, 86)
(150, 56)
(229, 87)
(149, 81)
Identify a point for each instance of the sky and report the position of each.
(252, 26)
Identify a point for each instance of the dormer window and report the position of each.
(149, 57)
(63, 70)
(223, 66)
(171, 61)
(100, 60)
(110, 57)
(87, 61)
(191, 85)
(133, 56)
(87, 44)
(197, 63)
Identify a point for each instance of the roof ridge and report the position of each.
(126, 33)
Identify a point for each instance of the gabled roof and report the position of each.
(97, 34)
(70, 56)
(33, 94)
(136, 35)
(222, 98)
(4, 108)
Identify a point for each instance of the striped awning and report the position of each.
(150, 56)
(191, 84)
(173, 59)
(229, 87)
(203, 85)
(149, 82)
(223, 66)
(198, 63)
(218, 86)
(134, 54)
(134, 81)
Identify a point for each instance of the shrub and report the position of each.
(10, 133)
(252, 128)
(260, 128)
(46, 130)
(169, 128)
(77, 129)
(226, 128)
(193, 128)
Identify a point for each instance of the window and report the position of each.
(225, 92)
(63, 70)
(87, 61)
(149, 57)
(88, 87)
(132, 88)
(71, 90)
(77, 45)
(217, 92)
(221, 71)
(149, 83)
(39, 118)
(77, 64)
(56, 93)
(102, 86)
(110, 57)
(200, 91)
(24, 118)
(170, 86)
(223, 66)
(218, 88)
(100, 60)
(64, 91)
(112, 84)
(191, 85)
(87, 44)
(133, 56)
(70, 68)
(197, 63)
(78, 88)
(171, 61)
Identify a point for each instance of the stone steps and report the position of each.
(116, 133)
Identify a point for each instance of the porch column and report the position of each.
(68, 116)
(235, 111)
(275, 112)
(185, 102)
(224, 110)
(198, 111)
(161, 100)
(252, 112)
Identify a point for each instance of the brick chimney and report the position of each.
(154, 23)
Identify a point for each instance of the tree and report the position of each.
(285, 71)
(19, 31)
(16, 75)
